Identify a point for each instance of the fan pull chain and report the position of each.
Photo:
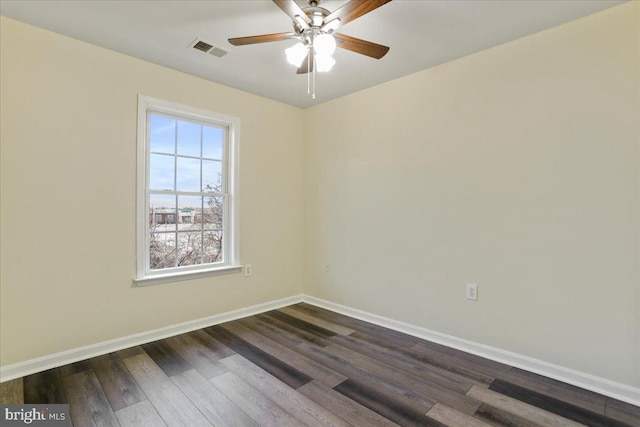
(308, 73)
(313, 95)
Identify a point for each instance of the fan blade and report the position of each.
(307, 64)
(265, 38)
(291, 8)
(354, 9)
(363, 47)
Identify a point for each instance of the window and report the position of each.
(186, 185)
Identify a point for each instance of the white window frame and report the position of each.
(231, 261)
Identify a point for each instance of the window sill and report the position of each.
(186, 275)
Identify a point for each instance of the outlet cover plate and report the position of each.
(472, 292)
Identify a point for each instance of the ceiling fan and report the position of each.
(315, 27)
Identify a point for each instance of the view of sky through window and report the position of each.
(184, 157)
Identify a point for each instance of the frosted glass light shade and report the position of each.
(296, 54)
(324, 63)
(324, 44)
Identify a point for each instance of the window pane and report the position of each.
(189, 139)
(212, 139)
(162, 250)
(162, 134)
(189, 213)
(189, 249)
(188, 176)
(161, 169)
(212, 176)
(213, 212)
(185, 175)
(162, 212)
(212, 246)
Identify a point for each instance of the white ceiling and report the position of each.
(420, 33)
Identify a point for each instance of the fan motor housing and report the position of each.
(316, 14)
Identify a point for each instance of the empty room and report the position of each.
(320, 213)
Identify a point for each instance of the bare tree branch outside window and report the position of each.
(199, 240)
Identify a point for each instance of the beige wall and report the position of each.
(68, 123)
(515, 168)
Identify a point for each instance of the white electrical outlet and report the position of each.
(472, 292)
(327, 267)
(247, 270)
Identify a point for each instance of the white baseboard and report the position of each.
(603, 386)
(40, 364)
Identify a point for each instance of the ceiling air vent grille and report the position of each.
(209, 48)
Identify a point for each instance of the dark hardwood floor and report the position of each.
(305, 366)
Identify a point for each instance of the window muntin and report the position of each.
(188, 190)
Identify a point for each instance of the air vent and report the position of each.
(205, 47)
(208, 48)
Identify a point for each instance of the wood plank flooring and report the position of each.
(306, 366)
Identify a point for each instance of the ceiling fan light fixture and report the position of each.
(324, 44)
(296, 54)
(324, 63)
